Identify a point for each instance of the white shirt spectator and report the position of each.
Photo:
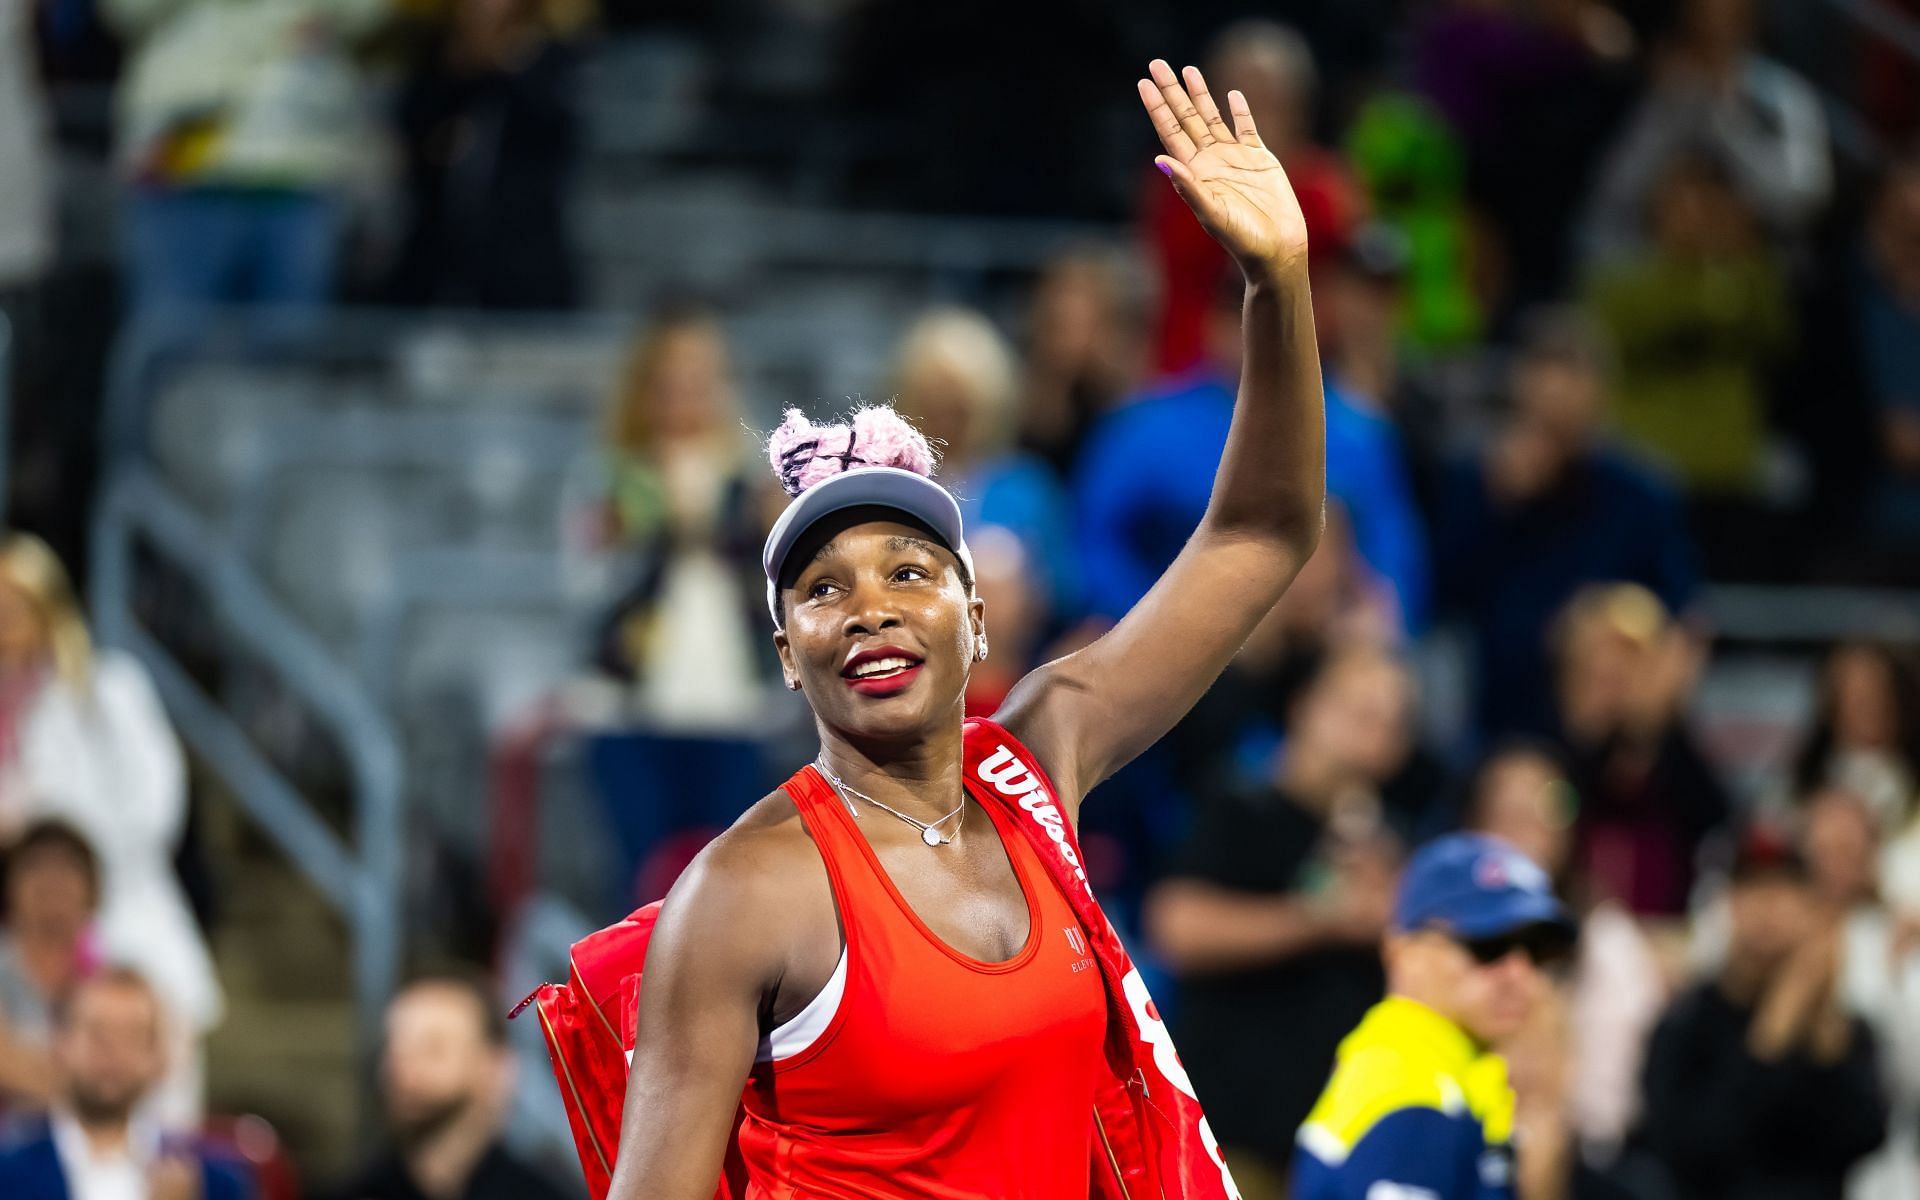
(1766, 127)
(1884, 988)
(108, 763)
(104, 1177)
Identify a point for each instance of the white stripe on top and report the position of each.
(810, 1022)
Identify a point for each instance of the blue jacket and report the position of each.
(1019, 492)
(1509, 571)
(31, 1171)
(1147, 473)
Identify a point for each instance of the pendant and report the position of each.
(930, 836)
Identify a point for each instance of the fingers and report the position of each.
(1203, 102)
(1174, 169)
(1243, 129)
(1177, 99)
(1178, 145)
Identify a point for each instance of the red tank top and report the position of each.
(939, 1076)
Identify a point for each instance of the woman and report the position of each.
(83, 739)
(52, 891)
(683, 500)
(1879, 976)
(862, 963)
(1865, 734)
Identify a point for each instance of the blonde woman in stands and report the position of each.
(680, 505)
(83, 739)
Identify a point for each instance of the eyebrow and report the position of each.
(896, 543)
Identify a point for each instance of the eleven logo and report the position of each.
(1082, 960)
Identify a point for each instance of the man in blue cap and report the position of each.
(1419, 1107)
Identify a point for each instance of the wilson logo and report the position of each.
(1004, 771)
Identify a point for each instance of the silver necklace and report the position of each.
(929, 830)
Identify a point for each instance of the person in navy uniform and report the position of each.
(1419, 1107)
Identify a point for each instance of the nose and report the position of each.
(873, 608)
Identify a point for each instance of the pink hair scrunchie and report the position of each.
(804, 454)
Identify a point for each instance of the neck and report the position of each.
(1719, 59)
(1312, 778)
(1742, 981)
(921, 777)
(51, 958)
(21, 674)
(1368, 370)
(107, 1136)
(442, 1166)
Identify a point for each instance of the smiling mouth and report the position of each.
(890, 667)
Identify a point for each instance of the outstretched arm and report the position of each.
(1087, 714)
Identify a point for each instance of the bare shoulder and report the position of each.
(760, 889)
(1039, 711)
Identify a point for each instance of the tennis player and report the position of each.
(888, 978)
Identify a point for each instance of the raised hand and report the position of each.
(174, 1178)
(1233, 183)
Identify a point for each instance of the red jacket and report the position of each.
(1153, 1143)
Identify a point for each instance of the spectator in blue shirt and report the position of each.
(1888, 321)
(1545, 508)
(1145, 476)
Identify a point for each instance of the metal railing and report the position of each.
(782, 236)
(6, 412)
(360, 878)
(345, 688)
(1804, 615)
(1884, 21)
(348, 688)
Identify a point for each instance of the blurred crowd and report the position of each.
(1608, 314)
(1682, 320)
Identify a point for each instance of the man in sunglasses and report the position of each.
(1419, 1107)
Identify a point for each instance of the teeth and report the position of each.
(881, 666)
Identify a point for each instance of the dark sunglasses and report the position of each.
(1544, 945)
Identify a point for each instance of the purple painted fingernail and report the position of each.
(1165, 169)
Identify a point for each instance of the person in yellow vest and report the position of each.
(1419, 1107)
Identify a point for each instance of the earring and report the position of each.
(793, 685)
(981, 653)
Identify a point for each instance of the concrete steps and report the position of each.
(286, 1051)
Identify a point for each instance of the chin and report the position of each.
(908, 716)
(1498, 1029)
(890, 722)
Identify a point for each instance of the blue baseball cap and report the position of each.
(1475, 886)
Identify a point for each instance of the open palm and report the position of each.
(1233, 183)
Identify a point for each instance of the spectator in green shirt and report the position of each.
(1696, 321)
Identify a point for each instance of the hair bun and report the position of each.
(803, 453)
